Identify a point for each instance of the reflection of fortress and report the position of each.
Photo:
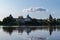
(19, 29)
(50, 28)
(28, 29)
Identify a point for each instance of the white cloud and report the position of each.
(36, 9)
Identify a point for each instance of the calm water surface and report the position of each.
(29, 32)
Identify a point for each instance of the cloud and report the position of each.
(34, 9)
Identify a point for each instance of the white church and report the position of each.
(23, 20)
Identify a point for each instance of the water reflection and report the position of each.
(10, 30)
(19, 29)
(30, 32)
(50, 28)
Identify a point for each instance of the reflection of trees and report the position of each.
(9, 29)
(19, 29)
(52, 28)
(12, 29)
(29, 29)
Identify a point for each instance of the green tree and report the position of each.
(9, 20)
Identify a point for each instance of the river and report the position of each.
(30, 32)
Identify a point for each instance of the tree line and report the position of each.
(34, 22)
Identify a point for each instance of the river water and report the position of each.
(30, 32)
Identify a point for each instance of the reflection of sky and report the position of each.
(24, 36)
(40, 33)
(18, 36)
(55, 36)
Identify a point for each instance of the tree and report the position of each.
(9, 20)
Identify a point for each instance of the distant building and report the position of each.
(22, 20)
(28, 18)
(50, 18)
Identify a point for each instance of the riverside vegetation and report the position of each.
(10, 20)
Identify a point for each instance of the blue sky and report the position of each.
(16, 7)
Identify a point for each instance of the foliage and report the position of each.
(9, 21)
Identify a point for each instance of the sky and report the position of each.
(40, 9)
